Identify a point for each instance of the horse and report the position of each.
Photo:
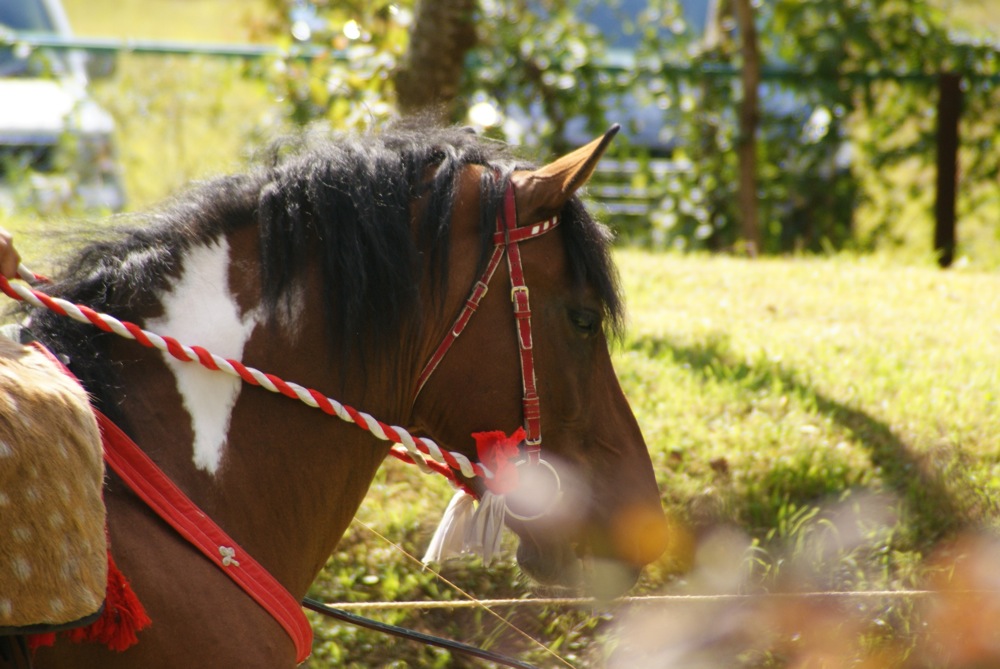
(340, 262)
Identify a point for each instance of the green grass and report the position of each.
(179, 118)
(976, 17)
(814, 377)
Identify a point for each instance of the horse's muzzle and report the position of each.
(550, 564)
(561, 566)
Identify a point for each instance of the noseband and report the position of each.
(506, 239)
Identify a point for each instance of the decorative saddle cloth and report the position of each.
(53, 546)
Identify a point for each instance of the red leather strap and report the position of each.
(162, 495)
(505, 239)
(520, 296)
(513, 235)
(149, 482)
(464, 316)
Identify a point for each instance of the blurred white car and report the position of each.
(56, 144)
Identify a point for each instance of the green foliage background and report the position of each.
(846, 146)
(868, 69)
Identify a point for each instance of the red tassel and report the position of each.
(36, 641)
(497, 451)
(122, 618)
(123, 615)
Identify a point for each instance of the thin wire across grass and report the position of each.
(647, 600)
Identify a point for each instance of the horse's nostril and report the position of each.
(549, 565)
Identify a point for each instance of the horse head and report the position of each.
(585, 507)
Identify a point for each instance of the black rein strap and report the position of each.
(412, 635)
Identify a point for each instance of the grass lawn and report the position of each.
(213, 21)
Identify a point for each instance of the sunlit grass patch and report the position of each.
(832, 373)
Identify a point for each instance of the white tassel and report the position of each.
(465, 529)
(486, 530)
(450, 536)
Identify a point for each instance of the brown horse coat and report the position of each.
(53, 549)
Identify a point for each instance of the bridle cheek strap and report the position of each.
(520, 296)
(506, 239)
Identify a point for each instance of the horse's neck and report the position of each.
(282, 478)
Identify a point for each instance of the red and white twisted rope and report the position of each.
(416, 447)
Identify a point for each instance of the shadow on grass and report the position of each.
(927, 483)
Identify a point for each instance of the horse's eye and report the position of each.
(586, 321)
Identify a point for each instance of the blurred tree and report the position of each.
(442, 33)
(854, 48)
(544, 74)
(741, 14)
(352, 85)
(746, 142)
(538, 64)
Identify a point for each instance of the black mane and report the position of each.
(344, 201)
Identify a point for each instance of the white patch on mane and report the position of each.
(200, 310)
(138, 258)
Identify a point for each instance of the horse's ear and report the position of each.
(542, 193)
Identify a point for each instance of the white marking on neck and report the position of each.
(199, 309)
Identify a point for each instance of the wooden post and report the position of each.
(949, 112)
(430, 72)
(746, 146)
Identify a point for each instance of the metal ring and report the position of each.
(555, 497)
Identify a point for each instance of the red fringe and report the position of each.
(123, 616)
(498, 451)
(36, 641)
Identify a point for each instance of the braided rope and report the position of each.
(416, 447)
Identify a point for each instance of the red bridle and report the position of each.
(506, 239)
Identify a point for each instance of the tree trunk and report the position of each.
(749, 119)
(428, 79)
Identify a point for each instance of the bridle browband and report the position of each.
(506, 240)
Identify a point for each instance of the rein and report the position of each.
(411, 635)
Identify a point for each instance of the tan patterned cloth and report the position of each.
(53, 549)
